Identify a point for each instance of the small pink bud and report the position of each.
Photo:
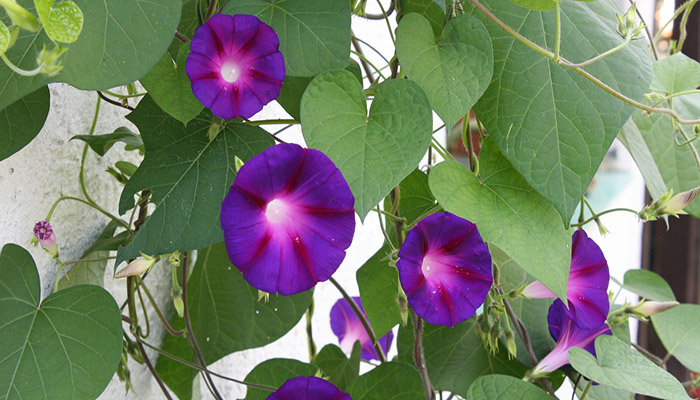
(680, 201)
(647, 308)
(137, 267)
(46, 237)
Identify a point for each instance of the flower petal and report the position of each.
(445, 269)
(308, 388)
(348, 328)
(588, 282)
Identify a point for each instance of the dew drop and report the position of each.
(207, 338)
(275, 309)
(257, 311)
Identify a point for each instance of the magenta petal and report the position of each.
(288, 219)
(235, 65)
(348, 328)
(445, 269)
(308, 388)
(587, 292)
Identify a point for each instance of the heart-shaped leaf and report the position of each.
(388, 381)
(373, 152)
(430, 9)
(340, 369)
(504, 387)
(454, 69)
(226, 317)
(553, 124)
(67, 346)
(22, 121)
(620, 366)
(675, 74)
(679, 331)
(314, 35)
(119, 43)
(508, 213)
(168, 85)
(188, 176)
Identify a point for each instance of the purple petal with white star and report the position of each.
(445, 269)
(567, 333)
(288, 219)
(308, 388)
(348, 328)
(235, 65)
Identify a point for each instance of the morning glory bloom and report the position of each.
(235, 65)
(46, 237)
(348, 328)
(288, 219)
(445, 269)
(587, 291)
(568, 334)
(308, 388)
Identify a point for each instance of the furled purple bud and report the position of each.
(137, 267)
(46, 237)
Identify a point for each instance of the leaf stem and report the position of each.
(557, 31)
(363, 319)
(309, 332)
(383, 229)
(81, 175)
(272, 122)
(123, 96)
(585, 391)
(600, 214)
(388, 25)
(162, 318)
(114, 102)
(95, 206)
(20, 71)
(153, 370)
(419, 356)
(363, 60)
(620, 46)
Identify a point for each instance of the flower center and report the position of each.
(230, 72)
(277, 211)
(429, 266)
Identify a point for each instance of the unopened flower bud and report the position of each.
(46, 237)
(179, 305)
(667, 205)
(20, 16)
(49, 61)
(137, 267)
(360, 8)
(509, 338)
(646, 308)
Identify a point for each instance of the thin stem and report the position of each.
(566, 63)
(363, 60)
(585, 391)
(419, 356)
(213, 6)
(309, 332)
(199, 368)
(123, 96)
(381, 16)
(467, 139)
(627, 40)
(363, 319)
(441, 150)
(600, 214)
(20, 71)
(191, 336)
(678, 12)
(383, 229)
(557, 31)
(388, 25)
(81, 176)
(179, 36)
(159, 313)
(389, 215)
(646, 29)
(371, 47)
(670, 96)
(432, 211)
(95, 206)
(114, 102)
(84, 260)
(665, 359)
(272, 122)
(651, 356)
(145, 313)
(684, 23)
(153, 370)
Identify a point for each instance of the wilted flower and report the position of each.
(137, 267)
(308, 388)
(587, 290)
(567, 333)
(445, 269)
(348, 328)
(288, 219)
(235, 65)
(46, 237)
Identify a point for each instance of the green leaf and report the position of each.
(603, 392)
(92, 273)
(100, 144)
(676, 73)
(341, 371)
(374, 153)
(5, 38)
(22, 121)
(378, 281)
(226, 317)
(188, 22)
(416, 199)
(314, 35)
(389, 381)
(553, 124)
(120, 42)
(168, 85)
(632, 139)
(454, 69)
(455, 357)
(430, 9)
(64, 22)
(532, 312)
(503, 387)
(508, 213)
(67, 346)
(676, 163)
(679, 331)
(189, 177)
(274, 373)
(538, 5)
(126, 167)
(620, 366)
(648, 284)
(294, 86)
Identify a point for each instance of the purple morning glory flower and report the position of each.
(235, 65)
(445, 269)
(587, 291)
(308, 388)
(288, 219)
(347, 326)
(567, 333)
